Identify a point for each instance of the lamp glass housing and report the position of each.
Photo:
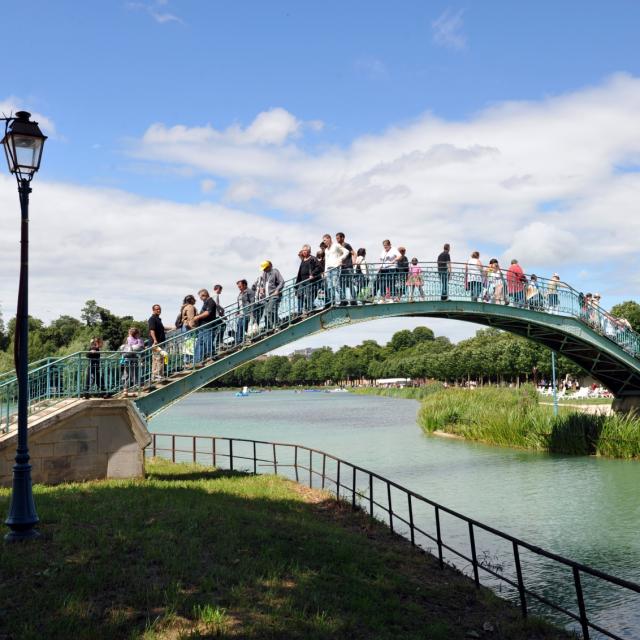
(23, 145)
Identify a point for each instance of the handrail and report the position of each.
(75, 375)
(408, 517)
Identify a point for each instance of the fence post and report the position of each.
(523, 595)
(79, 376)
(310, 469)
(295, 463)
(275, 460)
(353, 490)
(213, 451)
(173, 448)
(371, 495)
(255, 461)
(338, 482)
(193, 447)
(439, 537)
(413, 536)
(231, 454)
(474, 558)
(390, 508)
(583, 612)
(153, 445)
(324, 467)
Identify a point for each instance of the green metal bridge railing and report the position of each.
(114, 372)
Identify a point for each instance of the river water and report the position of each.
(586, 509)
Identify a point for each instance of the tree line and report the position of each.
(490, 356)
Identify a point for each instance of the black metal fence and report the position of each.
(564, 589)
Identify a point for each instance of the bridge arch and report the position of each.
(606, 361)
(549, 312)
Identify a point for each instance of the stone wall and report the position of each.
(88, 440)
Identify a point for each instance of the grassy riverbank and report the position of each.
(515, 418)
(191, 552)
(408, 393)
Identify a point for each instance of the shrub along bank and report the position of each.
(514, 418)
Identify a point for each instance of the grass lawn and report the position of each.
(191, 552)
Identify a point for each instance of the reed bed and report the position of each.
(514, 418)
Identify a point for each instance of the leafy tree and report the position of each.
(402, 340)
(423, 334)
(629, 310)
(90, 313)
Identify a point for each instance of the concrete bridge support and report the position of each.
(83, 440)
(626, 404)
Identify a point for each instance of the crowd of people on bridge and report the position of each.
(336, 274)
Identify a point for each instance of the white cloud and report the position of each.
(538, 181)
(163, 17)
(446, 30)
(155, 9)
(242, 191)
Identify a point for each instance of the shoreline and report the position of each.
(516, 419)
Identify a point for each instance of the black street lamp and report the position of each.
(23, 143)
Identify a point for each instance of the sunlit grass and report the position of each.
(193, 552)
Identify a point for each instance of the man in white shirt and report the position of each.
(334, 254)
(386, 280)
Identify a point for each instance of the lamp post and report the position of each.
(23, 143)
(554, 383)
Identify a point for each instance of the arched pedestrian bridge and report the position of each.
(549, 312)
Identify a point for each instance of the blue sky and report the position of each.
(346, 85)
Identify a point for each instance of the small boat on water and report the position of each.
(338, 390)
(246, 391)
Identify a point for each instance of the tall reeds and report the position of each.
(513, 418)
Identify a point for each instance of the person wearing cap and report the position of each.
(309, 273)
(268, 290)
